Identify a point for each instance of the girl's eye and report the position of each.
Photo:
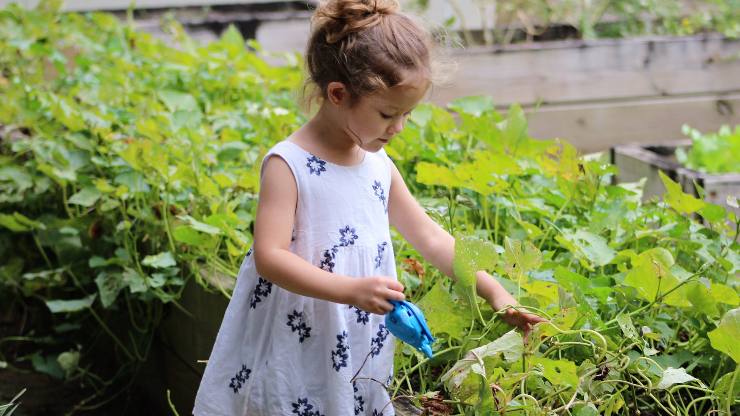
(388, 117)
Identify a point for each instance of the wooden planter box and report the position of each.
(640, 161)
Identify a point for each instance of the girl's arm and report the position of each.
(274, 261)
(437, 246)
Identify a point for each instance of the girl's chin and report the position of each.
(374, 145)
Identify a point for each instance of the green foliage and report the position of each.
(712, 152)
(128, 168)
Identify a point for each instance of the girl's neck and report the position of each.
(325, 136)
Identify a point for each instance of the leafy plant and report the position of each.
(712, 152)
(129, 168)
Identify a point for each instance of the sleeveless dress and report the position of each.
(280, 353)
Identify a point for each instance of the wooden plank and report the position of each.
(576, 71)
(86, 5)
(597, 126)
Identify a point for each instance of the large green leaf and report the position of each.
(471, 255)
(652, 277)
(443, 314)
(559, 372)
(677, 198)
(725, 337)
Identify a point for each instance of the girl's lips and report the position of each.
(384, 140)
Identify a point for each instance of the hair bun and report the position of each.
(339, 18)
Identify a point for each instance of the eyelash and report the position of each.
(387, 117)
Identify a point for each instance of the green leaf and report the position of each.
(47, 365)
(673, 376)
(135, 281)
(176, 100)
(86, 197)
(431, 174)
(628, 328)
(471, 255)
(160, 261)
(109, 284)
(725, 337)
(75, 305)
(590, 247)
(19, 223)
(676, 198)
(443, 315)
(559, 372)
(510, 346)
(69, 361)
(520, 257)
(199, 226)
(652, 277)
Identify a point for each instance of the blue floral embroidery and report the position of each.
(359, 401)
(379, 257)
(240, 378)
(315, 165)
(297, 323)
(327, 262)
(377, 342)
(348, 236)
(362, 316)
(263, 288)
(249, 253)
(377, 413)
(380, 193)
(303, 408)
(339, 356)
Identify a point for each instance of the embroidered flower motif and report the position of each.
(379, 257)
(303, 408)
(327, 261)
(359, 401)
(348, 236)
(380, 193)
(339, 356)
(297, 323)
(376, 412)
(315, 165)
(362, 316)
(240, 378)
(249, 253)
(263, 288)
(377, 342)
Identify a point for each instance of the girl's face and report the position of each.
(375, 119)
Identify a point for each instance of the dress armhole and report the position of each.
(290, 166)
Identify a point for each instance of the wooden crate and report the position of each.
(644, 161)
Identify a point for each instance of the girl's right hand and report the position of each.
(372, 293)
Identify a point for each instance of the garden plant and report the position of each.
(129, 167)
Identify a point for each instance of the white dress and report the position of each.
(280, 353)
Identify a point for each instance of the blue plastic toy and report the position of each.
(407, 323)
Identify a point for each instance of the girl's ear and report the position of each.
(337, 93)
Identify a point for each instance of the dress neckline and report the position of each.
(355, 166)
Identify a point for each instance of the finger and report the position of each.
(385, 307)
(395, 285)
(395, 295)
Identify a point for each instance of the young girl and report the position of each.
(307, 311)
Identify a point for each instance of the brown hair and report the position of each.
(364, 44)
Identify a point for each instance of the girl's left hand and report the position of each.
(501, 299)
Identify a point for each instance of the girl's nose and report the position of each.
(396, 127)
